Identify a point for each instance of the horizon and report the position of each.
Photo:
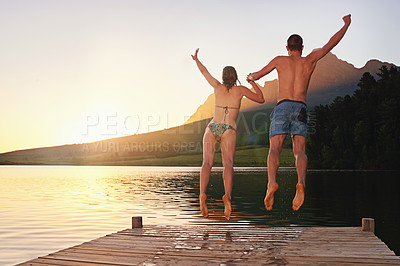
(123, 68)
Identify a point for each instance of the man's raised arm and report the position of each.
(333, 41)
(264, 71)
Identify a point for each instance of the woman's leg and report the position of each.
(209, 147)
(228, 145)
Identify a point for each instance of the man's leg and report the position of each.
(273, 161)
(228, 145)
(209, 147)
(299, 147)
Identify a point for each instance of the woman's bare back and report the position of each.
(227, 104)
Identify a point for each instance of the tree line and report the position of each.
(360, 131)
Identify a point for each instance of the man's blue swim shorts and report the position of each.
(289, 117)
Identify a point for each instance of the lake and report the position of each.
(47, 208)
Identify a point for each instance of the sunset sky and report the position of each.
(73, 71)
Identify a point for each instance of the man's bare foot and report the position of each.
(228, 207)
(203, 205)
(269, 198)
(299, 198)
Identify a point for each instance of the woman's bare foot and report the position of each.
(228, 207)
(299, 198)
(203, 205)
(269, 198)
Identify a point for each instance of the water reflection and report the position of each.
(47, 208)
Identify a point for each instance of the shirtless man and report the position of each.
(290, 114)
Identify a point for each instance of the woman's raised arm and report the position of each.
(211, 80)
(256, 97)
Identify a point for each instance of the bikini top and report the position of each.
(226, 109)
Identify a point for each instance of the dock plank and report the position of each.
(215, 245)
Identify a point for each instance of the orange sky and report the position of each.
(78, 71)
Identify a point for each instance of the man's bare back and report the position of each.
(294, 74)
(294, 71)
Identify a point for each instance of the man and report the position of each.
(290, 114)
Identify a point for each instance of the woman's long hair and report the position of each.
(229, 77)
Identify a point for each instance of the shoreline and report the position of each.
(197, 168)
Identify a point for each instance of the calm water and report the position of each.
(47, 208)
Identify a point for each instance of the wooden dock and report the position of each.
(228, 245)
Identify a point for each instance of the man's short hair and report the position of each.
(295, 43)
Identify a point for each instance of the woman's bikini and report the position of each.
(218, 129)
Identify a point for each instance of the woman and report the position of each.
(222, 128)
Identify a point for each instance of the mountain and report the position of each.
(332, 77)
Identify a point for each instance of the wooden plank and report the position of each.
(47, 261)
(211, 245)
(350, 260)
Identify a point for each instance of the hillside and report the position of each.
(182, 145)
